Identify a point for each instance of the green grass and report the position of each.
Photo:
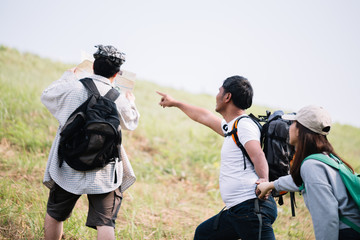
(176, 162)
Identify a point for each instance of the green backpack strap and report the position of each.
(350, 224)
(325, 159)
(350, 180)
(320, 157)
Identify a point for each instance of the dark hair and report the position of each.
(309, 143)
(241, 91)
(105, 67)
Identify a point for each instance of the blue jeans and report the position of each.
(240, 222)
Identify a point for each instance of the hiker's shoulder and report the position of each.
(316, 171)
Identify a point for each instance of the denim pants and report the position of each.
(240, 222)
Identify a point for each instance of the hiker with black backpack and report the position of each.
(86, 156)
(329, 185)
(245, 216)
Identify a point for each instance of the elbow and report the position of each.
(128, 124)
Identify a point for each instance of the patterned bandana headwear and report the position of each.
(111, 53)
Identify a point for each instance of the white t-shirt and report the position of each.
(236, 184)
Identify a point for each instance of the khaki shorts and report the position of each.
(103, 208)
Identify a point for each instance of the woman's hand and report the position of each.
(263, 189)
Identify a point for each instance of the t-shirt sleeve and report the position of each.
(247, 131)
(224, 126)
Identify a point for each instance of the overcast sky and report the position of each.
(294, 53)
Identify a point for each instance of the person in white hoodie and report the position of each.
(324, 192)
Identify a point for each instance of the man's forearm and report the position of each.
(258, 159)
(262, 170)
(198, 114)
(195, 113)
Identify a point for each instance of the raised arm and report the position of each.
(128, 111)
(198, 114)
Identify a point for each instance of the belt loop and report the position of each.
(257, 212)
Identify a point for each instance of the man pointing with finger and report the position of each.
(245, 216)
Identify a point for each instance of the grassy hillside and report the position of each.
(176, 162)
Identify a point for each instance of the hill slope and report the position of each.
(176, 162)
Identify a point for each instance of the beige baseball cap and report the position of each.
(315, 118)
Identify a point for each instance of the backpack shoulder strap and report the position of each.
(90, 85)
(322, 158)
(235, 137)
(325, 159)
(351, 181)
(349, 223)
(112, 94)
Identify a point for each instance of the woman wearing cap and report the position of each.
(325, 194)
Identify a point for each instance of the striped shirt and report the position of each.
(61, 98)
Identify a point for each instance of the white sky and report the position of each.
(294, 53)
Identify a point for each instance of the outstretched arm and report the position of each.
(198, 114)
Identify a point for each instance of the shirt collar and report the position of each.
(233, 120)
(102, 79)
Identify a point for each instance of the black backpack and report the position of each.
(274, 141)
(91, 135)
